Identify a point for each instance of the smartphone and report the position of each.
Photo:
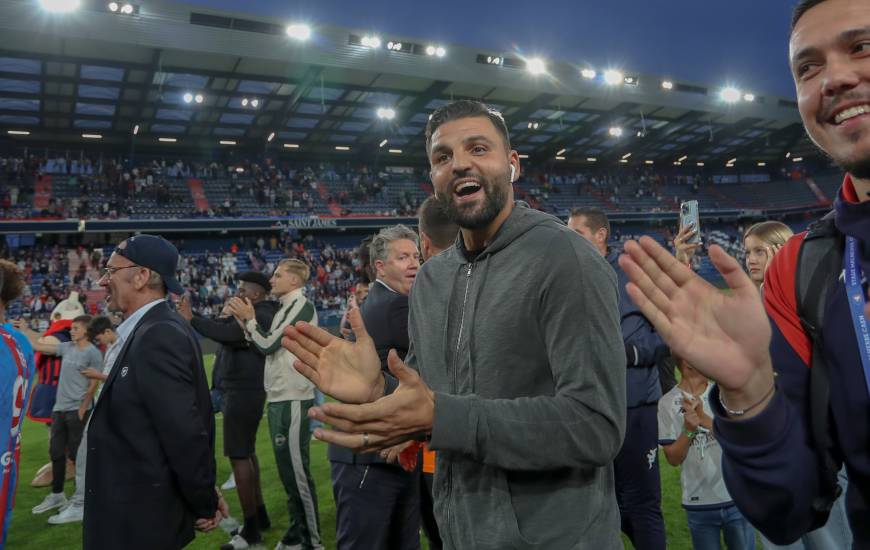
(689, 215)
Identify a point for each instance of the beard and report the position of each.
(470, 216)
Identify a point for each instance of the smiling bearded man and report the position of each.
(515, 370)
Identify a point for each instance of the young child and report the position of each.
(686, 436)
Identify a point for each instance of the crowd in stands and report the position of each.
(52, 272)
(112, 188)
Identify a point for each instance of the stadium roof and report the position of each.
(101, 73)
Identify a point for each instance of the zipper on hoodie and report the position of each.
(455, 360)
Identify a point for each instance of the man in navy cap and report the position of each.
(244, 396)
(150, 476)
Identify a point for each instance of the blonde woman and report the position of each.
(760, 243)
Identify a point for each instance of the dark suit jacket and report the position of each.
(151, 470)
(385, 314)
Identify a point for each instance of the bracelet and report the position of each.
(741, 412)
(689, 434)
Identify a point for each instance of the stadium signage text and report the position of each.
(311, 223)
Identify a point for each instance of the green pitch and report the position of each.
(30, 532)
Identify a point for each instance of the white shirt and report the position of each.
(125, 329)
(701, 471)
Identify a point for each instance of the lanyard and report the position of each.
(856, 298)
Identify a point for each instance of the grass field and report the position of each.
(29, 532)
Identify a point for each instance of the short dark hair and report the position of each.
(435, 223)
(466, 108)
(98, 326)
(801, 8)
(11, 282)
(83, 319)
(595, 217)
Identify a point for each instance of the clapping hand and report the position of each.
(725, 336)
(348, 371)
(241, 309)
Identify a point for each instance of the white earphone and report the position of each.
(513, 172)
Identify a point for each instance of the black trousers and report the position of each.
(638, 485)
(377, 507)
(66, 435)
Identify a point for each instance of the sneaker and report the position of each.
(230, 483)
(70, 514)
(282, 546)
(52, 501)
(238, 542)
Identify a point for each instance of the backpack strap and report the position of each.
(819, 263)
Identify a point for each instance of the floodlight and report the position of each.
(386, 113)
(732, 161)
(762, 164)
(18, 132)
(667, 85)
(613, 78)
(625, 156)
(198, 98)
(244, 102)
(394, 46)
(271, 137)
(60, 6)
(371, 41)
(136, 130)
(255, 103)
(700, 164)
(113, 7)
(591, 159)
(682, 158)
(730, 95)
(167, 140)
(536, 66)
(588, 74)
(381, 144)
(749, 98)
(440, 51)
(188, 97)
(797, 159)
(559, 157)
(92, 136)
(649, 162)
(291, 146)
(430, 50)
(227, 142)
(342, 148)
(396, 151)
(615, 131)
(523, 156)
(560, 152)
(299, 32)
(127, 9)
(493, 60)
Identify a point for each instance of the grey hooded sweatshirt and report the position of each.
(523, 349)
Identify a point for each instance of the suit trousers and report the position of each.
(377, 507)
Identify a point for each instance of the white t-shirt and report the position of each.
(701, 472)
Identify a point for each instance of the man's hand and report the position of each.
(392, 419)
(725, 336)
(83, 410)
(241, 309)
(223, 511)
(93, 374)
(183, 307)
(348, 371)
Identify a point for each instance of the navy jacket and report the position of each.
(151, 466)
(385, 314)
(642, 377)
(768, 461)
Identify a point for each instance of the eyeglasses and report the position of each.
(108, 271)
